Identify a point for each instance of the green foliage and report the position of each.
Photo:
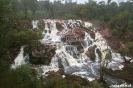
(123, 50)
(57, 82)
(104, 62)
(130, 25)
(15, 31)
(70, 16)
(25, 37)
(127, 49)
(33, 6)
(41, 15)
(121, 26)
(21, 77)
(108, 55)
(40, 26)
(95, 84)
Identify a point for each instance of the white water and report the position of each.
(34, 24)
(68, 57)
(51, 36)
(19, 60)
(87, 25)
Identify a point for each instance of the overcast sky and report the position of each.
(82, 1)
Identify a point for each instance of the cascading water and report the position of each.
(20, 59)
(87, 41)
(70, 59)
(34, 24)
(51, 36)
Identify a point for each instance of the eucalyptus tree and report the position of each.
(33, 6)
(108, 2)
(2, 20)
(50, 7)
(5, 15)
(25, 6)
(104, 61)
(28, 4)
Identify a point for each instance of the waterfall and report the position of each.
(87, 40)
(97, 57)
(19, 60)
(73, 61)
(51, 36)
(64, 25)
(34, 24)
(87, 25)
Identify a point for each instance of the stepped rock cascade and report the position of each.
(76, 51)
(51, 34)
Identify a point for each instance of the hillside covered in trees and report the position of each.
(113, 20)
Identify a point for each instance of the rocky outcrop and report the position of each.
(77, 80)
(91, 53)
(43, 55)
(59, 73)
(114, 43)
(73, 35)
(92, 34)
(59, 26)
(123, 74)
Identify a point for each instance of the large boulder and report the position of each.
(91, 53)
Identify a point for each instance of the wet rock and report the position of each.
(91, 53)
(42, 55)
(123, 74)
(99, 53)
(81, 51)
(59, 73)
(73, 35)
(92, 34)
(59, 26)
(35, 53)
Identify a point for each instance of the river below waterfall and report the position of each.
(77, 53)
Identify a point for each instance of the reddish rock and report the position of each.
(59, 73)
(92, 34)
(91, 53)
(114, 43)
(73, 35)
(105, 33)
(81, 51)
